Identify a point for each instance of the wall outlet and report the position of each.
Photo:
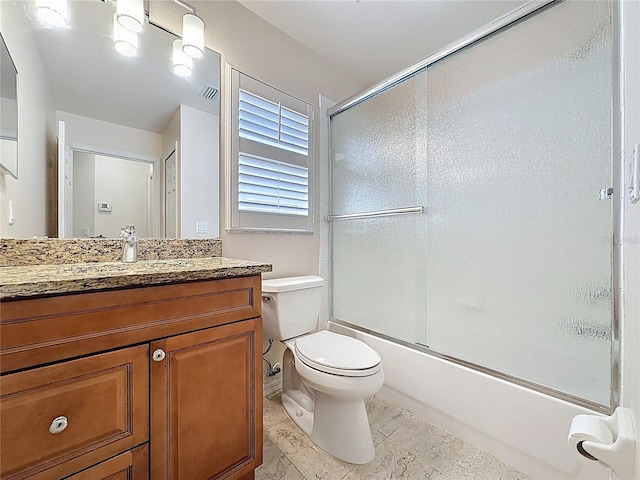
(201, 227)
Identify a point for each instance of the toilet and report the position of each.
(325, 376)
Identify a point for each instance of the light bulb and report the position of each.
(130, 14)
(125, 41)
(192, 35)
(53, 12)
(182, 63)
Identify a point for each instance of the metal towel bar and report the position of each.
(378, 213)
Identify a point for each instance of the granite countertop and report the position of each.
(36, 280)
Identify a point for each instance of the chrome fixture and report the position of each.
(378, 213)
(129, 244)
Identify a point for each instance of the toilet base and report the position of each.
(338, 426)
(343, 430)
(302, 417)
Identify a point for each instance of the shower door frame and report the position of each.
(515, 16)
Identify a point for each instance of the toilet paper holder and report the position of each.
(619, 455)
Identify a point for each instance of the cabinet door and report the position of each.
(206, 403)
(131, 465)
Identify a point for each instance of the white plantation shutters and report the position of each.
(272, 124)
(272, 187)
(270, 159)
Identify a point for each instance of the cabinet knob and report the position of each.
(58, 425)
(158, 355)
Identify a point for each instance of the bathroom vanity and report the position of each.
(151, 370)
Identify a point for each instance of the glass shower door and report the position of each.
(378, 264)
(519, 234)
(509, 144)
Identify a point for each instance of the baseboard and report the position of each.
(271, 387)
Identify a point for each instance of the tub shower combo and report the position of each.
(472, 216)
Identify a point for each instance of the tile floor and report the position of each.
(406, 448)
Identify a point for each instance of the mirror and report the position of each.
(122, 122)
(9, 109)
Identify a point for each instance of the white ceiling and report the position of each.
(374, 39)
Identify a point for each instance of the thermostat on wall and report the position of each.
(104, 207)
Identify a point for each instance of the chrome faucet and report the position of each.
(129, 244)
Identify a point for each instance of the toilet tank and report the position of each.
(290, 306)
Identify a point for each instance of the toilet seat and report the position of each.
(337, 354)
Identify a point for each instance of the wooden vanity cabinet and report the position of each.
(160, 382)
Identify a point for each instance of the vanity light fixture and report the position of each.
(192, 35)
(182, 63)
(130, 14)
(125, 41)
(53, 12)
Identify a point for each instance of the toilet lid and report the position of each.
(337, 352)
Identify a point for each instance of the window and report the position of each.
(270, 161)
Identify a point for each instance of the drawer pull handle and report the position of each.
(158, 355)
(58, 425)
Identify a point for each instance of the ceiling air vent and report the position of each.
(209, 92)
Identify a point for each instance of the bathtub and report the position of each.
(523, 428)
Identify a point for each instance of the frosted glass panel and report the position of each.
(508, 143)
(378, 148)
(519, 245)
(379, 276)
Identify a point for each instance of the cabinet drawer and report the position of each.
(104, 399)
(131, 465)
(45, 330)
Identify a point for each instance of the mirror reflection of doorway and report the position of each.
(111, 192)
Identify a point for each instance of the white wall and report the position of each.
(630, 321)
(110, 136)
(199, 169)
(123, 184)
(33, 191)
(84, 175)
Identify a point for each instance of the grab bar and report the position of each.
(378, 213)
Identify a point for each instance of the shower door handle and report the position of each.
(378, 213)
